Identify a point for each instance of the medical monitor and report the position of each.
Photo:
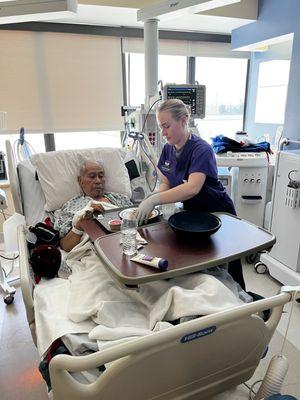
(193, 95)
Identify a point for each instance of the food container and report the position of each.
(115, 224)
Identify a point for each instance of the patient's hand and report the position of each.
(94, 209)
(98, 208)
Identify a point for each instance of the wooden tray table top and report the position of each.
(235, 239)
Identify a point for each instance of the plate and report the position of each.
(154, 214)
(194, 223)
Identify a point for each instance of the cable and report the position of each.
(3, 213)
(8, 258)
(154, 166)
(22, 149)
(4, 272)
(278, 366)
(250, 388)
(289, 320)
(145, 120)
(142, 145)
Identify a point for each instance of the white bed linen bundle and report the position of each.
(90, 301)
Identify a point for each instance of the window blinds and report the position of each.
(56, 82)
(186, 48)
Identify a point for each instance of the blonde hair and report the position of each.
(175, 107)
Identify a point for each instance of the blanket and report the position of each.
(121, 314)
(90, 301)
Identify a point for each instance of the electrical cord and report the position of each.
(145, 120)
(250, 388)
(8, 258)
(277, 369)
(22, 149)
(154, 166)
(4, 272)
(289, 321)
(5, 214)
(142, 144)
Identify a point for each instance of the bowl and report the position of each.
(154, 213)
(194, 224)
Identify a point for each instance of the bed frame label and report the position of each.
(198, 334)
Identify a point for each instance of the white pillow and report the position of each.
(58, 171)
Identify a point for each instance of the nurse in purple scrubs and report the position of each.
(189, 172)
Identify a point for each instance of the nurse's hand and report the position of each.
(145, 208)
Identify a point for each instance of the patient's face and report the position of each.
(92, 181)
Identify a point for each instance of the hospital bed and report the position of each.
(193, 360)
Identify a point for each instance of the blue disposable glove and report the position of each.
(145, 208)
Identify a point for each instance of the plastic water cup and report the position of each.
(129, 231)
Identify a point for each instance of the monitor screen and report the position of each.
(192, 95)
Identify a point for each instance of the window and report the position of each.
(273, 80)
(225, 81)
(35, 140)
(171, 69)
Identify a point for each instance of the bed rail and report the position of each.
(193, 360)
(26, 279)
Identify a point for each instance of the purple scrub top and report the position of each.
(196, 156)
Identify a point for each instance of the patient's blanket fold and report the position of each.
(121, 313)
(51, 319)
(89, 301)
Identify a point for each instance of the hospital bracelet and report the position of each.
(77, 231)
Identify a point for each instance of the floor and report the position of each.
(20, 378)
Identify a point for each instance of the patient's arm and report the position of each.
(70, 240)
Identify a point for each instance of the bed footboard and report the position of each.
(193, 360)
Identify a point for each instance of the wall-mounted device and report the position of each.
(3, 174)
(193, 95)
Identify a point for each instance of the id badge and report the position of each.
(166, 167)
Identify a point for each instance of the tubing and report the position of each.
(274, 377)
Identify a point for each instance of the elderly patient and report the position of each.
(92, 182)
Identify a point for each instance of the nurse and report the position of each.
(189, 172)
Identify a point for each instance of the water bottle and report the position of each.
(129, 231)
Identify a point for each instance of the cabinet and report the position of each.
(283, 260)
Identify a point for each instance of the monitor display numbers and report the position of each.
(187, 95)
(193, 95)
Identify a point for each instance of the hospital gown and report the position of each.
(62, 218)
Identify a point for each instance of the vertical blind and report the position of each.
(58, 82)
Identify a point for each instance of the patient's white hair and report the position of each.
(83, 164)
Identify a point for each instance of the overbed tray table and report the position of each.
(235, 239)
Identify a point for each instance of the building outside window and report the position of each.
(171, 69)
(272, 88)
(225, 81)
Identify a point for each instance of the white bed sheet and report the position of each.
(50, 304)
(91, 302)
